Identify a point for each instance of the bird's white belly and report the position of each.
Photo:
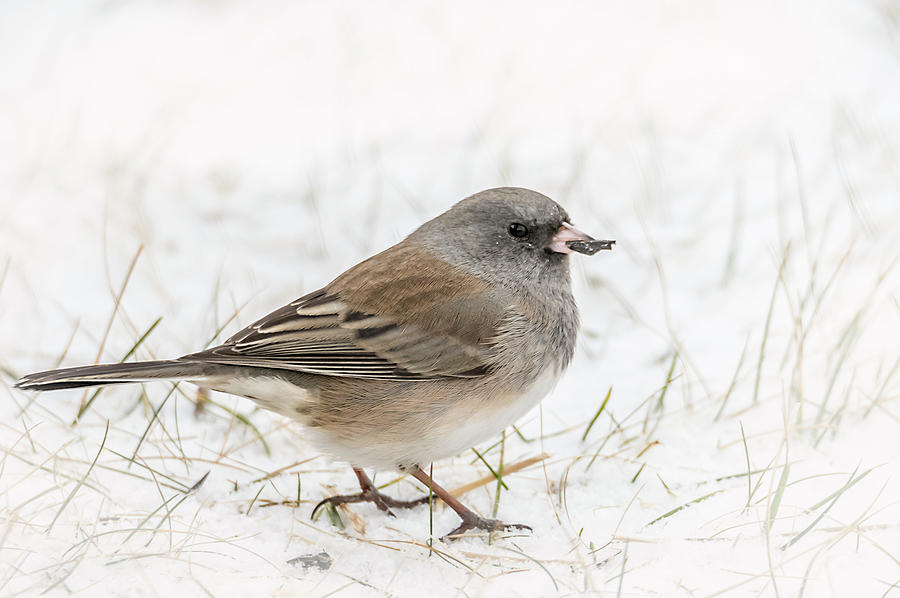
(466, 425)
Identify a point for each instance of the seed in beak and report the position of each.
(589, 247)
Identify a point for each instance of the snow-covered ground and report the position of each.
(745, 155)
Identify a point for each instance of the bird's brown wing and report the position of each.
(382, 319)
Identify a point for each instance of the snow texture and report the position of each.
(743, 154)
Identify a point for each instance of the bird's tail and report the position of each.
(112, 373)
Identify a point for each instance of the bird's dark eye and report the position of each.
(518, 230)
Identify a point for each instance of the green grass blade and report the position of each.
(596, 415)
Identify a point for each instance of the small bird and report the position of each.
(411, 356)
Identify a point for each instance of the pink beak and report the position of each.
(567, 232)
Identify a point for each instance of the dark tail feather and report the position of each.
(112, 373)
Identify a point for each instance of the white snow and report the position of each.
(254, 150)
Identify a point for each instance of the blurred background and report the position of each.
(217, 159)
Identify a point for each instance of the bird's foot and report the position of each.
(372, 495)
(472, 521)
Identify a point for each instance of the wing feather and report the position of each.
(327, 333)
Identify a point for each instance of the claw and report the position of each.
(489, 525)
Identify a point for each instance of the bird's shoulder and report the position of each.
(420, 289)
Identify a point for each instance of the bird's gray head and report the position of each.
(509, 234)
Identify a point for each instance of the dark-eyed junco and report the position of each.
(412, 355)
